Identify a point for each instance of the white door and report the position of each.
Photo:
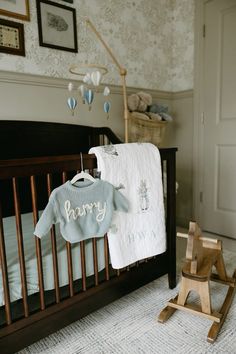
(219, 165)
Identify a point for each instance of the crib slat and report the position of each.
(68, 250)
(83, 265)
(70, 269)
(54, 247)
(20, 245)
(64, 177)
(106, 253)
(37, 243)
(4, 272)
(95, 261)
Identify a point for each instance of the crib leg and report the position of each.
(172, 265)
(172, 278)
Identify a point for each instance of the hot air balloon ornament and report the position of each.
(106, 108)
(87, 79)
(81, 90)
(72, 103)
(70, 87)
(92, 75)
(106, 91)
(96, 77)
(88, 95)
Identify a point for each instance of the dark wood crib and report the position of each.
(36, 157)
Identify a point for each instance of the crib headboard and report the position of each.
(26, 139)
(20, 139)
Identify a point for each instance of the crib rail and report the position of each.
(62, 166)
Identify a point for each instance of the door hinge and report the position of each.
(201, 197)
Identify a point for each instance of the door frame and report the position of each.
(198, 110)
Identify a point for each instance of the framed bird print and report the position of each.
(57, 26)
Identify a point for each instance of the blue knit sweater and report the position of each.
(83, 210)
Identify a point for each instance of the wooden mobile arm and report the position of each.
(122, 71)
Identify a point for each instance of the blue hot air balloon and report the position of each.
(72, 103)
(88, 95)
(106, 108)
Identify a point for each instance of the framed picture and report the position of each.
(57, 26)
(12, 37)
(15, 8)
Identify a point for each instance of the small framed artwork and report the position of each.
(12, 37)
(15, 8)
(57, 26)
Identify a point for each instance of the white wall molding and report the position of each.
(29, 79)
(46, 81)
(182, 94)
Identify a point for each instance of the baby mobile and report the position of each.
(91, 81)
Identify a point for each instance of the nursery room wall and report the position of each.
(156, 49)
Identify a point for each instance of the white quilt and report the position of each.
(135, 169)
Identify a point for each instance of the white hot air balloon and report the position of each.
(96, 77)
(87, 79)
(70, 86)
(81, 90)
(106, 91)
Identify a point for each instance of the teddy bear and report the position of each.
(160, 110)
(139, 102)
(140, 105)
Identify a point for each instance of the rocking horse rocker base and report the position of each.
(201, 255)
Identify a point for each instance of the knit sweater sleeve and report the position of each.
(120, 202)
(47, 219)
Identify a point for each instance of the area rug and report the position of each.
(129, 326)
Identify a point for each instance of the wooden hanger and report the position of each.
(82, 174)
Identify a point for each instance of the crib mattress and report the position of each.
(31, 262)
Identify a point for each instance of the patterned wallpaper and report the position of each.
(182, 45)
(152, 39)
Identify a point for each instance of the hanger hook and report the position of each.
(81, 162)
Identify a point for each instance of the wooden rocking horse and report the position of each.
(201, 255)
